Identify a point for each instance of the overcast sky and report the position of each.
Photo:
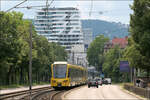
(111, 10)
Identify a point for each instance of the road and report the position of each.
(103, 92)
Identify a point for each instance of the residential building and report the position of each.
(60, 25)
(107, 46)
(121, 42)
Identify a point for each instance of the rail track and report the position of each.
(53, 94)
(57, 95)
(45, 93)
(22, 94)
(49, 95)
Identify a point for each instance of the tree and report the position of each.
(11, 43)
(95, 52)
(14, 51)
(134, 56)
(140, 32)
(59, 52)
(111, 63)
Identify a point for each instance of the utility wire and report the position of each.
(16, 5)
(46, 10)
(30, 7)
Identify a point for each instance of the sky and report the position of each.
(108, 10)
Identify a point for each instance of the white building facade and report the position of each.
(60, 25)
(78, 53)
(87, 37)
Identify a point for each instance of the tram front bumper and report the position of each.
(58, 83)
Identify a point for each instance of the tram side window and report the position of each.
(69, 72)
(79, 73)
(76, 72)
(72, 73)
(83, 73)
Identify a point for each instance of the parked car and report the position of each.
(92, 82)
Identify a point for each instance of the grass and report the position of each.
(41, 83)
(10, 86)
(122, 83)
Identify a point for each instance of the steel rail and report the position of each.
(48, 95)
(56, 95)
(20, 93)
(36, 96)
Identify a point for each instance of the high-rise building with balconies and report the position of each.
(61, 25)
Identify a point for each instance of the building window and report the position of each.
(76, 31)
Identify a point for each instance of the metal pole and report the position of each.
(73, 57)
(147, 89)
(131, 74)
(134, 76)
(30, 63)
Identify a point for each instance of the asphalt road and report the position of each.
(103, 92)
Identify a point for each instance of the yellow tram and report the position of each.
(67, 75)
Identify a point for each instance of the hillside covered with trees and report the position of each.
(108, 29)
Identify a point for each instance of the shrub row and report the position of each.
(137, 90)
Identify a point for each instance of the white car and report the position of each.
(108, 80)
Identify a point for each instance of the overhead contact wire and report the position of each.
(16, 5)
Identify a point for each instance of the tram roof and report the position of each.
(60, 62)
(64, 62)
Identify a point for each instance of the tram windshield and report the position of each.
(59, 71)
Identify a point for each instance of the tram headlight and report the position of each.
(65, 81)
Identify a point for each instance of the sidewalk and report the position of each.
(21, 89)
